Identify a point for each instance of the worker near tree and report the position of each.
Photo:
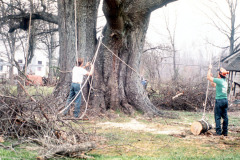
(144, 83)
(221, 103)
(77, 77)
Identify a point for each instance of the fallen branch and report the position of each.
(83, 119)
(67, 150)
(179, 94)
(26, 92)
(6, 147)
(8, 96)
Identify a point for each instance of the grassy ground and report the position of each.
(19, 153)
(132, 144)
(124, 138)
(32, 90)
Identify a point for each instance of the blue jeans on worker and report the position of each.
(220, 111)
(75, 88)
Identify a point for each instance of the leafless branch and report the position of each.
(164, 48)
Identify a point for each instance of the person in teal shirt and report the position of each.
(221, 103)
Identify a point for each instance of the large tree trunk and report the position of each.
(86, 24)
(116, 85)
(119, 86)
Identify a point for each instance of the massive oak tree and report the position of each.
(124, 34)
(116, 86)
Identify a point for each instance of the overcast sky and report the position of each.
(193, 25)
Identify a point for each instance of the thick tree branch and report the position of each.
(158, 3)
(236, 49)
(150, 5)
(23, 19)
(112, 10)
(164, 48)
(118, 12)
(12, 6)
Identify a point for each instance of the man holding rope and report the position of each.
(221, 103)
(77, 77)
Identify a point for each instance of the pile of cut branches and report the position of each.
(35, 118)
(182, 96)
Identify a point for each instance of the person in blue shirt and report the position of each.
(144, 83)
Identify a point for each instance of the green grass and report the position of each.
(18, 153)
(32, 90)
(42, 90)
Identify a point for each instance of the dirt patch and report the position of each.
(181, 130)
(135, 125)
(234, 114)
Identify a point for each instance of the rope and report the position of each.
(76, 35)
(94, 60)
(205, 103)
(215, 99)
(144, 99)
(121, 60)
(208, 127)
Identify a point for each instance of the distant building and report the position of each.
(4, 68)
(38, 66)
(232, 64)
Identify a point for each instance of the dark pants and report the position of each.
(220, 111)
(75, 88)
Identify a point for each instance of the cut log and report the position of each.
(199, 127)
(179, 94)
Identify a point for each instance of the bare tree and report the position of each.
(9, 41)
(152, 63)
(226, 23)
(171, 37)
(48, 39)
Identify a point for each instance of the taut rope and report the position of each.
(205, 103)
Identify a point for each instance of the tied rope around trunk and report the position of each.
(93, 61)
(121, 60)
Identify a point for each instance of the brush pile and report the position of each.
(35, 118)
(182, 97)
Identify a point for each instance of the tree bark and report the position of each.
(199, 127)
(119, 87)
(86, 39)
(116, 85)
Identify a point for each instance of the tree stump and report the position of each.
(199, 127)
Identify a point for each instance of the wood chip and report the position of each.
(1, 139)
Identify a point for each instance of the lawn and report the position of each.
(138, 138)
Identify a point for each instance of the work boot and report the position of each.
(225, 134)
(217, 135)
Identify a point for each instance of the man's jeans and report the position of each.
(75, 88)
(220, 111)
